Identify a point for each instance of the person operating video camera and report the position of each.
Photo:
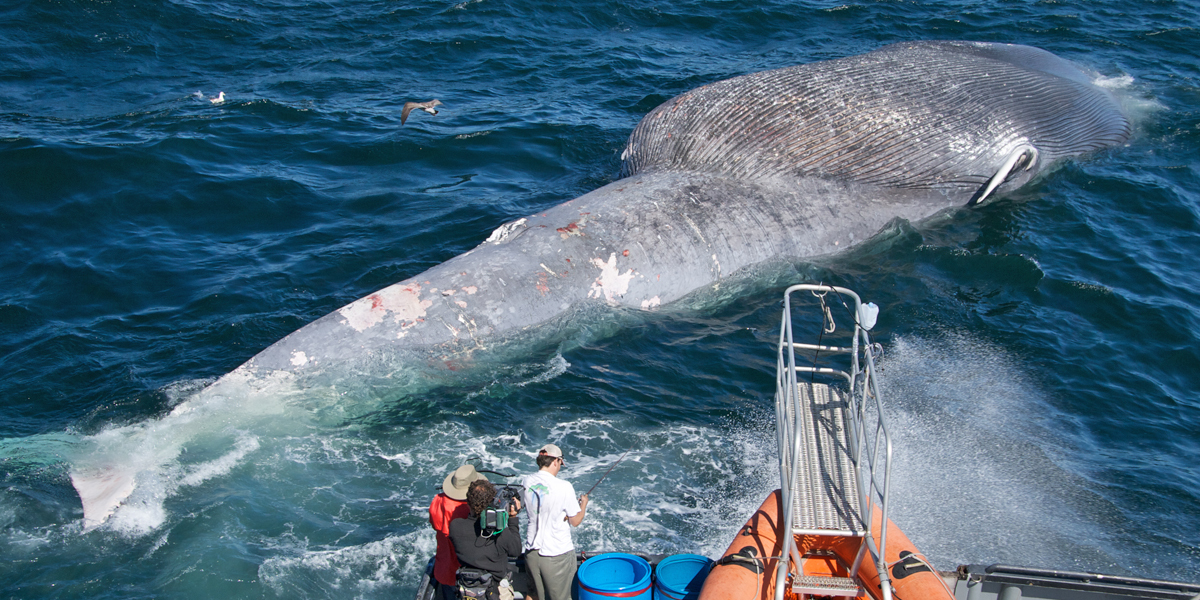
(484, 541)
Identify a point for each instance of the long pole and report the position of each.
(589, 492)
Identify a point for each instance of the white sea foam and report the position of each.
(1135, 101)
(524, 374)
(159, 543)
(403, 458)
(128, 471)
(583, 429)
(375, 569)
(29, 541)
(974, 479)
(554, 367)
(205, 471)
(1115, 82)
(144, 511)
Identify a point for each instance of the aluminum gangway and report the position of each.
(834, 448)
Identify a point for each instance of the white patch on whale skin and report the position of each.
(403, 301)
(654, 302)
(505, 231)
(299, 359)
(611, 282)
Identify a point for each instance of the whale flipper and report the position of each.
(101, 492)
(1025, 153)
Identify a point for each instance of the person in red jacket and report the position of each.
(449, 505)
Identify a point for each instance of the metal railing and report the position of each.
(870, 445)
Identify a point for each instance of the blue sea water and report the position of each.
(1041, 352)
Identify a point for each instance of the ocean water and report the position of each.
(1041, 352)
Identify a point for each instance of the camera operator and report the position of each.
(484, 549)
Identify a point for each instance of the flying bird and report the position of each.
(425, 106)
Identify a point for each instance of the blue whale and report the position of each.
(792, 163)
(795, 163)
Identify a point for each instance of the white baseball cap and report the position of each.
(552, 451)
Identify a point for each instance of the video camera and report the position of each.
(506, 495)
(495, 517)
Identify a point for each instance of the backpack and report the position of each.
(477, 584)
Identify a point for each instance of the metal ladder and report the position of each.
(834, 448)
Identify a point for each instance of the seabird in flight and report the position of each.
(425, 106)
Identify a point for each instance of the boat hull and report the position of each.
(751, 562)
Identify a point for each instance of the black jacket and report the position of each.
(487, 553)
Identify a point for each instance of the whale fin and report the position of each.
(101, 492)
(1009, 164)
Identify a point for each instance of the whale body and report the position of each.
(794, 163)
(797, 162)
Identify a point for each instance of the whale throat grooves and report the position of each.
(922, 115)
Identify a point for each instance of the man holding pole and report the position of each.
(553, 510)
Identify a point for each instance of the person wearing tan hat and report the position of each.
(553, 510)
(449, 505)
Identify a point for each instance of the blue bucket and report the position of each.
(681, 576)
(614, 575)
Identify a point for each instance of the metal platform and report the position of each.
(826, 586)
(824, 495)
(834, 448)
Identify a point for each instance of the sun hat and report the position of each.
(552, 451)
(456, 483)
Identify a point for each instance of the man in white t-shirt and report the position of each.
(553, 510)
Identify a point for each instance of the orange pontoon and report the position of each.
(822, 534)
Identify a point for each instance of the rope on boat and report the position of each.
(921, 559)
